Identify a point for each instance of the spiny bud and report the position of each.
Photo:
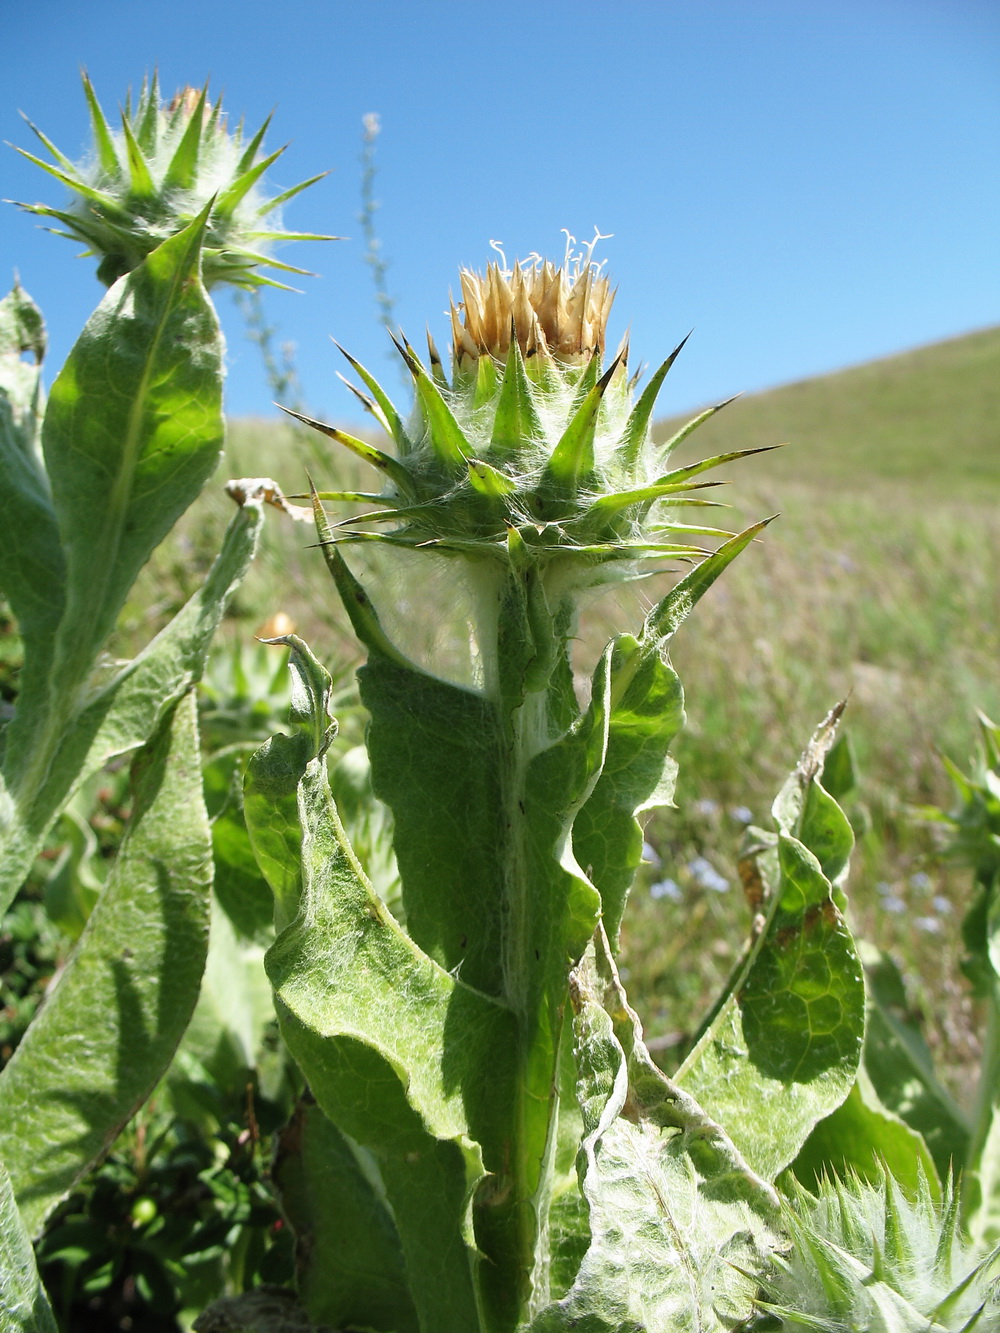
(150, 179)
(864, 1255)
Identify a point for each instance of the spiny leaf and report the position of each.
(227, 202)
(148, 117)
(383, 462)
(357, 603)
(678, 604)
(292, 236)
(634, 434)
(183, 166)
(81, 230)
(485, 381)
(61, 158)
(436, 364)
(445, 435)
(369, 404)
(74, 183)
(394, 421)
(250, 152)
(271, 204)
(248, 256)
(573, 456)
(488, 480)
(516, 421)
(667, 449)
(141, 182)
(693, 469)
(607, 505)
(102, 132)
(368, 497)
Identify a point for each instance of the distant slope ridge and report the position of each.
(926, 417)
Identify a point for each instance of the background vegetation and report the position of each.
(878, 582)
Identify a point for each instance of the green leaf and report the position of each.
(22, 330)
(243, 893)
(782, 1049)
(573, 456)
(444, 435)
(106, 153)
(839, 775)
(225, 1038)
(666, 617)
(32, 567)
(365, 1014)
(637, 427)
(981, 1186)
(899, 1064)
(183, 166)
(121, 716)
(516, 423)
(351, 1271)
(676, 1217)
(141, 183)
(428, 742)
(665, 450)
(24, 1306)
(864, 1137)
(385, 463)
(110, 1027)
(647, 711)
(132, 432)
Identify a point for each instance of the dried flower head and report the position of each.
(558, 312)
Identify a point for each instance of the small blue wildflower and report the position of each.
(666, 888)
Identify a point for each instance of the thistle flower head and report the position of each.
(166, 165)
(534, 452)
(554, 312)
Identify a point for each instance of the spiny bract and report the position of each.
(532, 452)
(169, 164)
(865, 1257)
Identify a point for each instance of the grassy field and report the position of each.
(877, 583)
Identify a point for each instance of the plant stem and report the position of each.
(535, 965)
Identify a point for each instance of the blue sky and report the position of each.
(806, 184)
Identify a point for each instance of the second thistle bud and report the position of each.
(167, 164)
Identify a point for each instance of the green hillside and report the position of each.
(930, 417)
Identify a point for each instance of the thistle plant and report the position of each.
(91, 480)
(169, 164)
(491, 1146)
